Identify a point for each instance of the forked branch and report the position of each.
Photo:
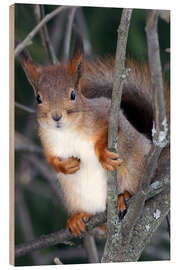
(30, 36)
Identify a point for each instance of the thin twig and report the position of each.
(47, 173)
(57, 261)
(84, 32)
(68, 34)
(22, 143)
(25, 221)
(119, 76)
(47, 41)
(56, 34)
(91, 249)
(29, 37)
(160, 128)
(168, 224)
(37, 13)
(23, 176)
(24, 108)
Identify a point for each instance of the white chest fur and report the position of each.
(85, 190)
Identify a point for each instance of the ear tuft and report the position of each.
(75, 65)
(78, 54)
(31, 69)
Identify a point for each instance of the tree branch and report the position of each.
(46, 42)
(65, 235)
(90, 247)
(113, 225)
(47, 173)
(154, 213)
(24, 108)
(25, 220)
(22, 143)
(29, 37)
(124, 233)
(68, 34)
(84, 32)
(57, 261)
(57, 30)
(160, 127)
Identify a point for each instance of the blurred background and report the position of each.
(38, 206)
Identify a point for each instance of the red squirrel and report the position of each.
(73, 128)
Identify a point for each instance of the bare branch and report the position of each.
(37, 13)
(43, 242)
(68, 34)
(57, 30)
(90, 247)
(65, 235)
(57, 261)
(154, 213)
(160, 127)
(165, 15)
(159, 135)
(24, 144)
(29, 37)
(46, 42)
(24, 108)
(25, 220)
(47, 173)
(84, 32)
(119, 75)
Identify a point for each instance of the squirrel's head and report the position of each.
(57, 91)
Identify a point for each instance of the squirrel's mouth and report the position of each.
(58, 125)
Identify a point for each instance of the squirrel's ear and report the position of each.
(31, 69)
(77, 55)
(78, 73)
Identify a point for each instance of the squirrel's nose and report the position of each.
(56, 116)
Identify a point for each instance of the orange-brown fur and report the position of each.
(69, 166)
(76, 223)
(89, 119)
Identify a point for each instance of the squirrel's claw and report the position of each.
(67, 166)
(76, 223)
(110, 160)
(71, 165)
(122, 206)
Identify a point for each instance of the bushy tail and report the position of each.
(137, 91)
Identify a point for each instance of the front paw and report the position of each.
(67, 166)
(110, 160)
(70, 165)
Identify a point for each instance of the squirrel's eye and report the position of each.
(73, 95)
(38, 98)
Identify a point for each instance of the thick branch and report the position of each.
(160, 127)
(154, 213)
(29, 37)
(159, 135)
(119, 76)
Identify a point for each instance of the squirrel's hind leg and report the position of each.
(122, 205)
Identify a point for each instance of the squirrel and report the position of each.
(73, 129)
